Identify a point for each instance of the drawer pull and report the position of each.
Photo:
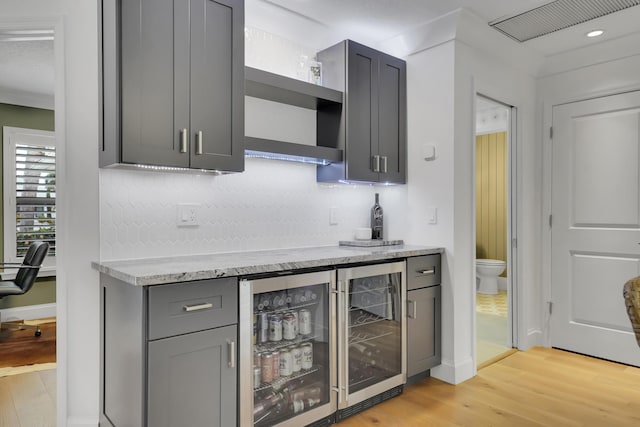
(429, 272)
(197, 307)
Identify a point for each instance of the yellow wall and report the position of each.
(491, 196)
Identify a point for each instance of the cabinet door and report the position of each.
(154, 81)
(217, 84)
(423, 329)
(362, 112)
(192, 379)
(392, 120)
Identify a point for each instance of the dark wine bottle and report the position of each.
(377, 223)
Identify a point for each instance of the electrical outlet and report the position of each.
(187, 215)
(333, 216)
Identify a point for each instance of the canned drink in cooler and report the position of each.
(307, 355)
(288, 326)
(264, 302)
(257, 376)
(275, 327)
(266, 374)
(295, 322)
(296, 357)
(263, 320)
(286, 363)
(275, 356)
(304, 322)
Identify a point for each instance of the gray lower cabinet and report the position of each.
(169, 354)
(423, 314)
(192, 379)
(373, 125)
(423, 330)
(173, 83)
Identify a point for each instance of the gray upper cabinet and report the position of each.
(373, 125)
(173, 83)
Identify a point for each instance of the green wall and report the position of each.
(44, 290)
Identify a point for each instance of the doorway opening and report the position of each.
(29, 165)
(495, 255)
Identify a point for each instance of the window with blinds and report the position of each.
(35, 195)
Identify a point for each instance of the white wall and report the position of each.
(430, 109)
(443, 81)
(76, 106)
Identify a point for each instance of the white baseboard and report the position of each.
(533, 338)
(29, 312)
(82, 422)
(452, 373)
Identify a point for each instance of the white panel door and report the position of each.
(596, 225)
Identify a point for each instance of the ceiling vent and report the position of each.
(556, 16)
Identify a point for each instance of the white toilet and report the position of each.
(487, 272)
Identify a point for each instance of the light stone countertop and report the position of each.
(155, 271)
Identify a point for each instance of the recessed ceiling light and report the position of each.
(595, 33)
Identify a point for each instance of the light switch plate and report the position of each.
(187, 214)
(428, 152)
(333, 215)
(432, 215)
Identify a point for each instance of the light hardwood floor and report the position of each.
(539, 387)
(28, 400)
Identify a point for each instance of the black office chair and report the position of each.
(26, 276)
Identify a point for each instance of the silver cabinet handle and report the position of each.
(428, 272)
(184, 140)
(197, 307)
(375, 160)
(199, 142)
(232, 354)
(414, 314)
(384, 164)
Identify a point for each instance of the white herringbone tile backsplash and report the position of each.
(272, 205)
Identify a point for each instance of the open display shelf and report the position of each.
(273, 87)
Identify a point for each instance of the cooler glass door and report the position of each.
(288, 358)
(372, 342)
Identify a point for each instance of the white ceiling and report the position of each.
(28, 66)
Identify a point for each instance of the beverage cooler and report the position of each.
(321, 349)
(371, 336)
(287, 361)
